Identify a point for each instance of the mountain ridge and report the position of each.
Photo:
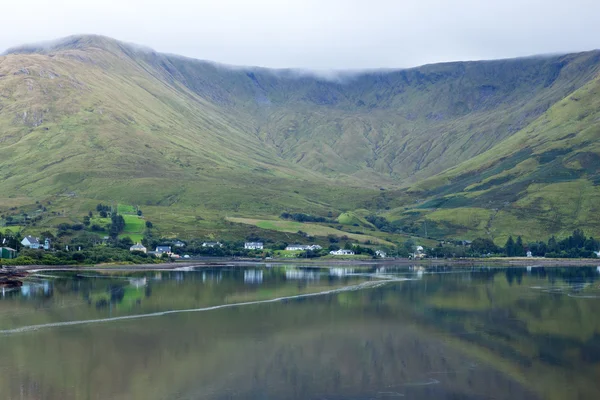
(141, 118)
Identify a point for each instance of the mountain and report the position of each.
(470, 148)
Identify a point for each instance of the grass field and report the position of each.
(12, 228)
(311, 229)
(126, 209)
(134, 227)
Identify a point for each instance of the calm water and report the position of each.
(439, 333)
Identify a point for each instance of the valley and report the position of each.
(447, 151)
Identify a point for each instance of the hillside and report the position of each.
(89, 118)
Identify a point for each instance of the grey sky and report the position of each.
(318, 34)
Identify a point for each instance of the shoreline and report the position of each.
(496, 262)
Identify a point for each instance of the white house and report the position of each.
(380, 253)
(597, 254)
(179, 243)
(529, 254)
(342, 252)
(253, 246)
(419, 252)
(303, 247)
(212, 244)
(295, 247)
(31, 243)
(138, 247)
(160, 250)
(47, 244)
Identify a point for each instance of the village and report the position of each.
(176, 249)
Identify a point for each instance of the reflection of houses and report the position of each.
(138, 247)
(342, 252)
(303, 247)
(212, 244)
(301, 274)
(380, 271)
(418, 270)
(340, 271)
(138, 282)
(211, 276)
(7, 252)
(380, 253)
(31, 243)
(253, 246)
(253, 276)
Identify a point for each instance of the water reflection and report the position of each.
(448, 333)
(253, 276)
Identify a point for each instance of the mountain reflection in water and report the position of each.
(447, 333)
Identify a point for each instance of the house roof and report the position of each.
(137, 246)
(178, 242)
(8, 248)
(32, 240)
(260, 243)
(163, 248)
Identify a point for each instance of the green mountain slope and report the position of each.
(543, 179)
(458, 145)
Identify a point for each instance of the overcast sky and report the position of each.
(317, 34)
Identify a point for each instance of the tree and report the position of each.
(48, 235)
(149, 224)
(577, 239)
(86, 220)
(519, 249)
(509, 247)
(139, 213)
(117, 225)
(409, 245)
(483, 246)
(126, 242)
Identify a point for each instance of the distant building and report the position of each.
(253, 246)
(529, 254)
(296, 247)
(138, 247)
(342, 252)
(47, 244)
(597, 254)
(7, 252)
(160, 250)
(31, 243)
(303, 247)
(419, 253)
(179, 243)
(212, 244)
(380, 253)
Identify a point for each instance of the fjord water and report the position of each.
(420, 333)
